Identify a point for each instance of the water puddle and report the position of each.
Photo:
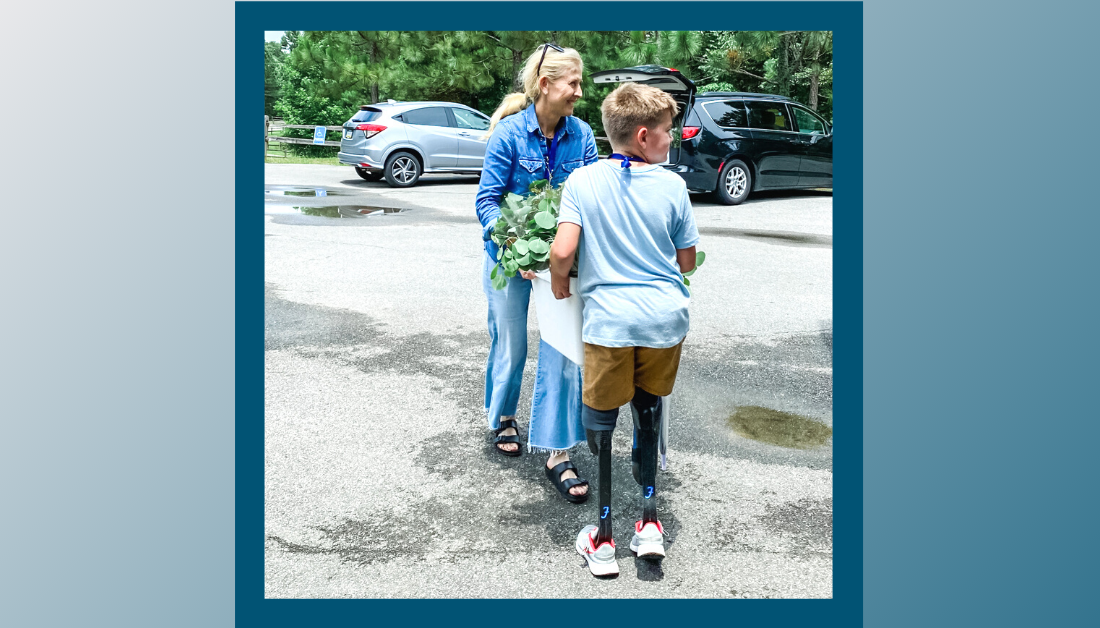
(779, 428)
(310, 192)
(333, 211)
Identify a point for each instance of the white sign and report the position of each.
(319, 135)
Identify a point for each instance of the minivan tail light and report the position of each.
(690, 132)
(370, 130)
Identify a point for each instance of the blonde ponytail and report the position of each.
(512, 103)
(554, 66)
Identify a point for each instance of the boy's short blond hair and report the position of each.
(632, 105)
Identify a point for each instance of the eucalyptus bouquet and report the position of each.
(525, 231)
(700, 257)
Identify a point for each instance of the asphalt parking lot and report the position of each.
(380, 481)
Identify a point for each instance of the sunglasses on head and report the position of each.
(546, 47)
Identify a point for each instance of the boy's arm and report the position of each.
(685, 233)
(684, 257)
(562, 253)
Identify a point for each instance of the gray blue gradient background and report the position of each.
(118, 400)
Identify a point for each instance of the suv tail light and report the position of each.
(690, 132)
(370, 130)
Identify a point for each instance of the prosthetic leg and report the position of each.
(648, 533)
(595, 543)
(599, 443)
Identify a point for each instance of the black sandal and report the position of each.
(563, 486)
(499, 440)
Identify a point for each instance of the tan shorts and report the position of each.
(611, 373)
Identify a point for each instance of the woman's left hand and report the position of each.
(527, 274)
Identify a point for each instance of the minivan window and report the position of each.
(428, 116)
(366, 115)
(768, 116)
(730, 113)
(465, 119)
(808, 123)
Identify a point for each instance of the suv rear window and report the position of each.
(768, 116)
(428, 116)
(367, 115)
(730, 113)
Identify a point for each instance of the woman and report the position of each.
(541, 141)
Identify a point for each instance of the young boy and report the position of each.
(631, 225)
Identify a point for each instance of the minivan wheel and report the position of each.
(402, 170)
(369, 175)
(734, 184)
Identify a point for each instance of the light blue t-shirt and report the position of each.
(632, 221)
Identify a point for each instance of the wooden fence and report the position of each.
(272, 125)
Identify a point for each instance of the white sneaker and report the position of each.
(601, 560)
(648, 540)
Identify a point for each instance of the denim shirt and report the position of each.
(514, 159)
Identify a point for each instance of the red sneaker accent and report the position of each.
(592, 542)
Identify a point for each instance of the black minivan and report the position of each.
(735, 143)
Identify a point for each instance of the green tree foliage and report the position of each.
(322, 77)
(273, 56)
(794, 63)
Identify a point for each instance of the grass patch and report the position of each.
(291, 158)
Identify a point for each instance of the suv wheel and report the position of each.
(402, 170)
(734, 184)
(369, 175)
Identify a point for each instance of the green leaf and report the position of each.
(499, 282)
(538, 247)
(687, 282)
(700, 257)
(521, 247)
(500, 253)
(524, 261)
(691, 272)
(545, 219)
(493, 275)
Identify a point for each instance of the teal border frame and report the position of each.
(845, 19)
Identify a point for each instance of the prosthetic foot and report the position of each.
(648, 539)
(595, 542)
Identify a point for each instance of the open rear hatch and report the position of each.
(666, 79)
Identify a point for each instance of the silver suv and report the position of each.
(403, 140)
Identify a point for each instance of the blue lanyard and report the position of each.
(550, 156)
(626, 159)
